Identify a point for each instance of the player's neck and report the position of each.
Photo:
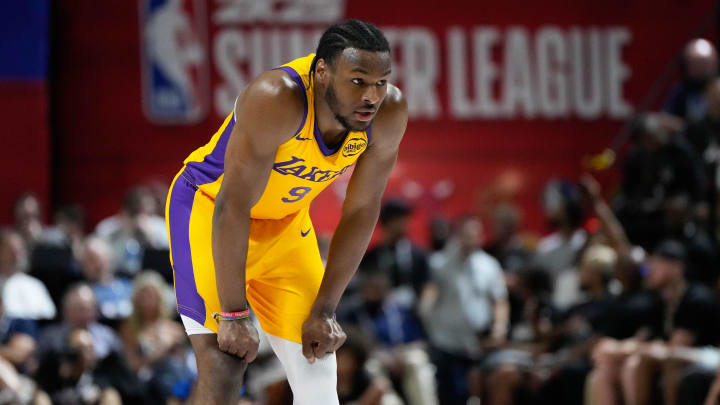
(330, 128)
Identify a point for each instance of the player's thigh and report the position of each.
(189, 216)
(282, 287)
(200, 236)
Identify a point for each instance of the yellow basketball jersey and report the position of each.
(304, 166)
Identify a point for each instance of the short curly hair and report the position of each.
(349, 34)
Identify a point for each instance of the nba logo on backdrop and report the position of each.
(174, 58)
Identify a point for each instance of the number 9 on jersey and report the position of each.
(296, 194)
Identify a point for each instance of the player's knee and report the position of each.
(324, 368)
(317, 384)
(317, 394)
(226, 366)
(220, 378)
(216, 369)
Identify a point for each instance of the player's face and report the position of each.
(357, 87)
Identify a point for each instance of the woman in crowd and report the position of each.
(155, 344)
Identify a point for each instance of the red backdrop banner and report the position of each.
(26, 144)
(502, 95)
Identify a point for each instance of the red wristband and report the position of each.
(244, 313)
(231, 316)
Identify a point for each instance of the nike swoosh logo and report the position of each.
(304, 234)
(302, 139)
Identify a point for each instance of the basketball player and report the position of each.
(238, 218)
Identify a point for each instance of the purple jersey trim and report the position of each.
(300, 83)
(189, 302)
(321, 142)
(210, 169)
(367, 132)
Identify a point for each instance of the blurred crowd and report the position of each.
(617, 305)
(90, 318)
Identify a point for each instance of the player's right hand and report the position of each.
(239, 337)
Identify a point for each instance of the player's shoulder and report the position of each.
(395, 104)
(275, 85)
(272, 97)
(391, 118)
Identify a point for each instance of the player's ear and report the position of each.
(322, 71)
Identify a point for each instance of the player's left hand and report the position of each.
(321, 335)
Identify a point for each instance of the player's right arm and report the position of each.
(267, 114)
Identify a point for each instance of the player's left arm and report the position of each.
(321, 334)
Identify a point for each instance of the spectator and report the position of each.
(531, 310)
(28, 221)
(701, 251)
(80, 312)
(439, 232)
(55, 258)
(563, 210)
(597, 266)
(18, 341)
(557, 253)
(357, 384)
(501, 377)
(391, 323)
(69, 374)
(17, 359)
(565, 364)
(398, 335)
(633, 310)
(397, 255)
(158, 189)
(690, 319)
(112, 293)
(704, 136)
(711, 391)
(661, 166)
(24, 296)
(507, 245)
(134, 229)
(577, 330)
(155, 345)
(466, 303)
(68, 230)
(700, 65)
(16, 388)
(687, 374)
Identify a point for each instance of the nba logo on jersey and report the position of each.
(174, 60)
